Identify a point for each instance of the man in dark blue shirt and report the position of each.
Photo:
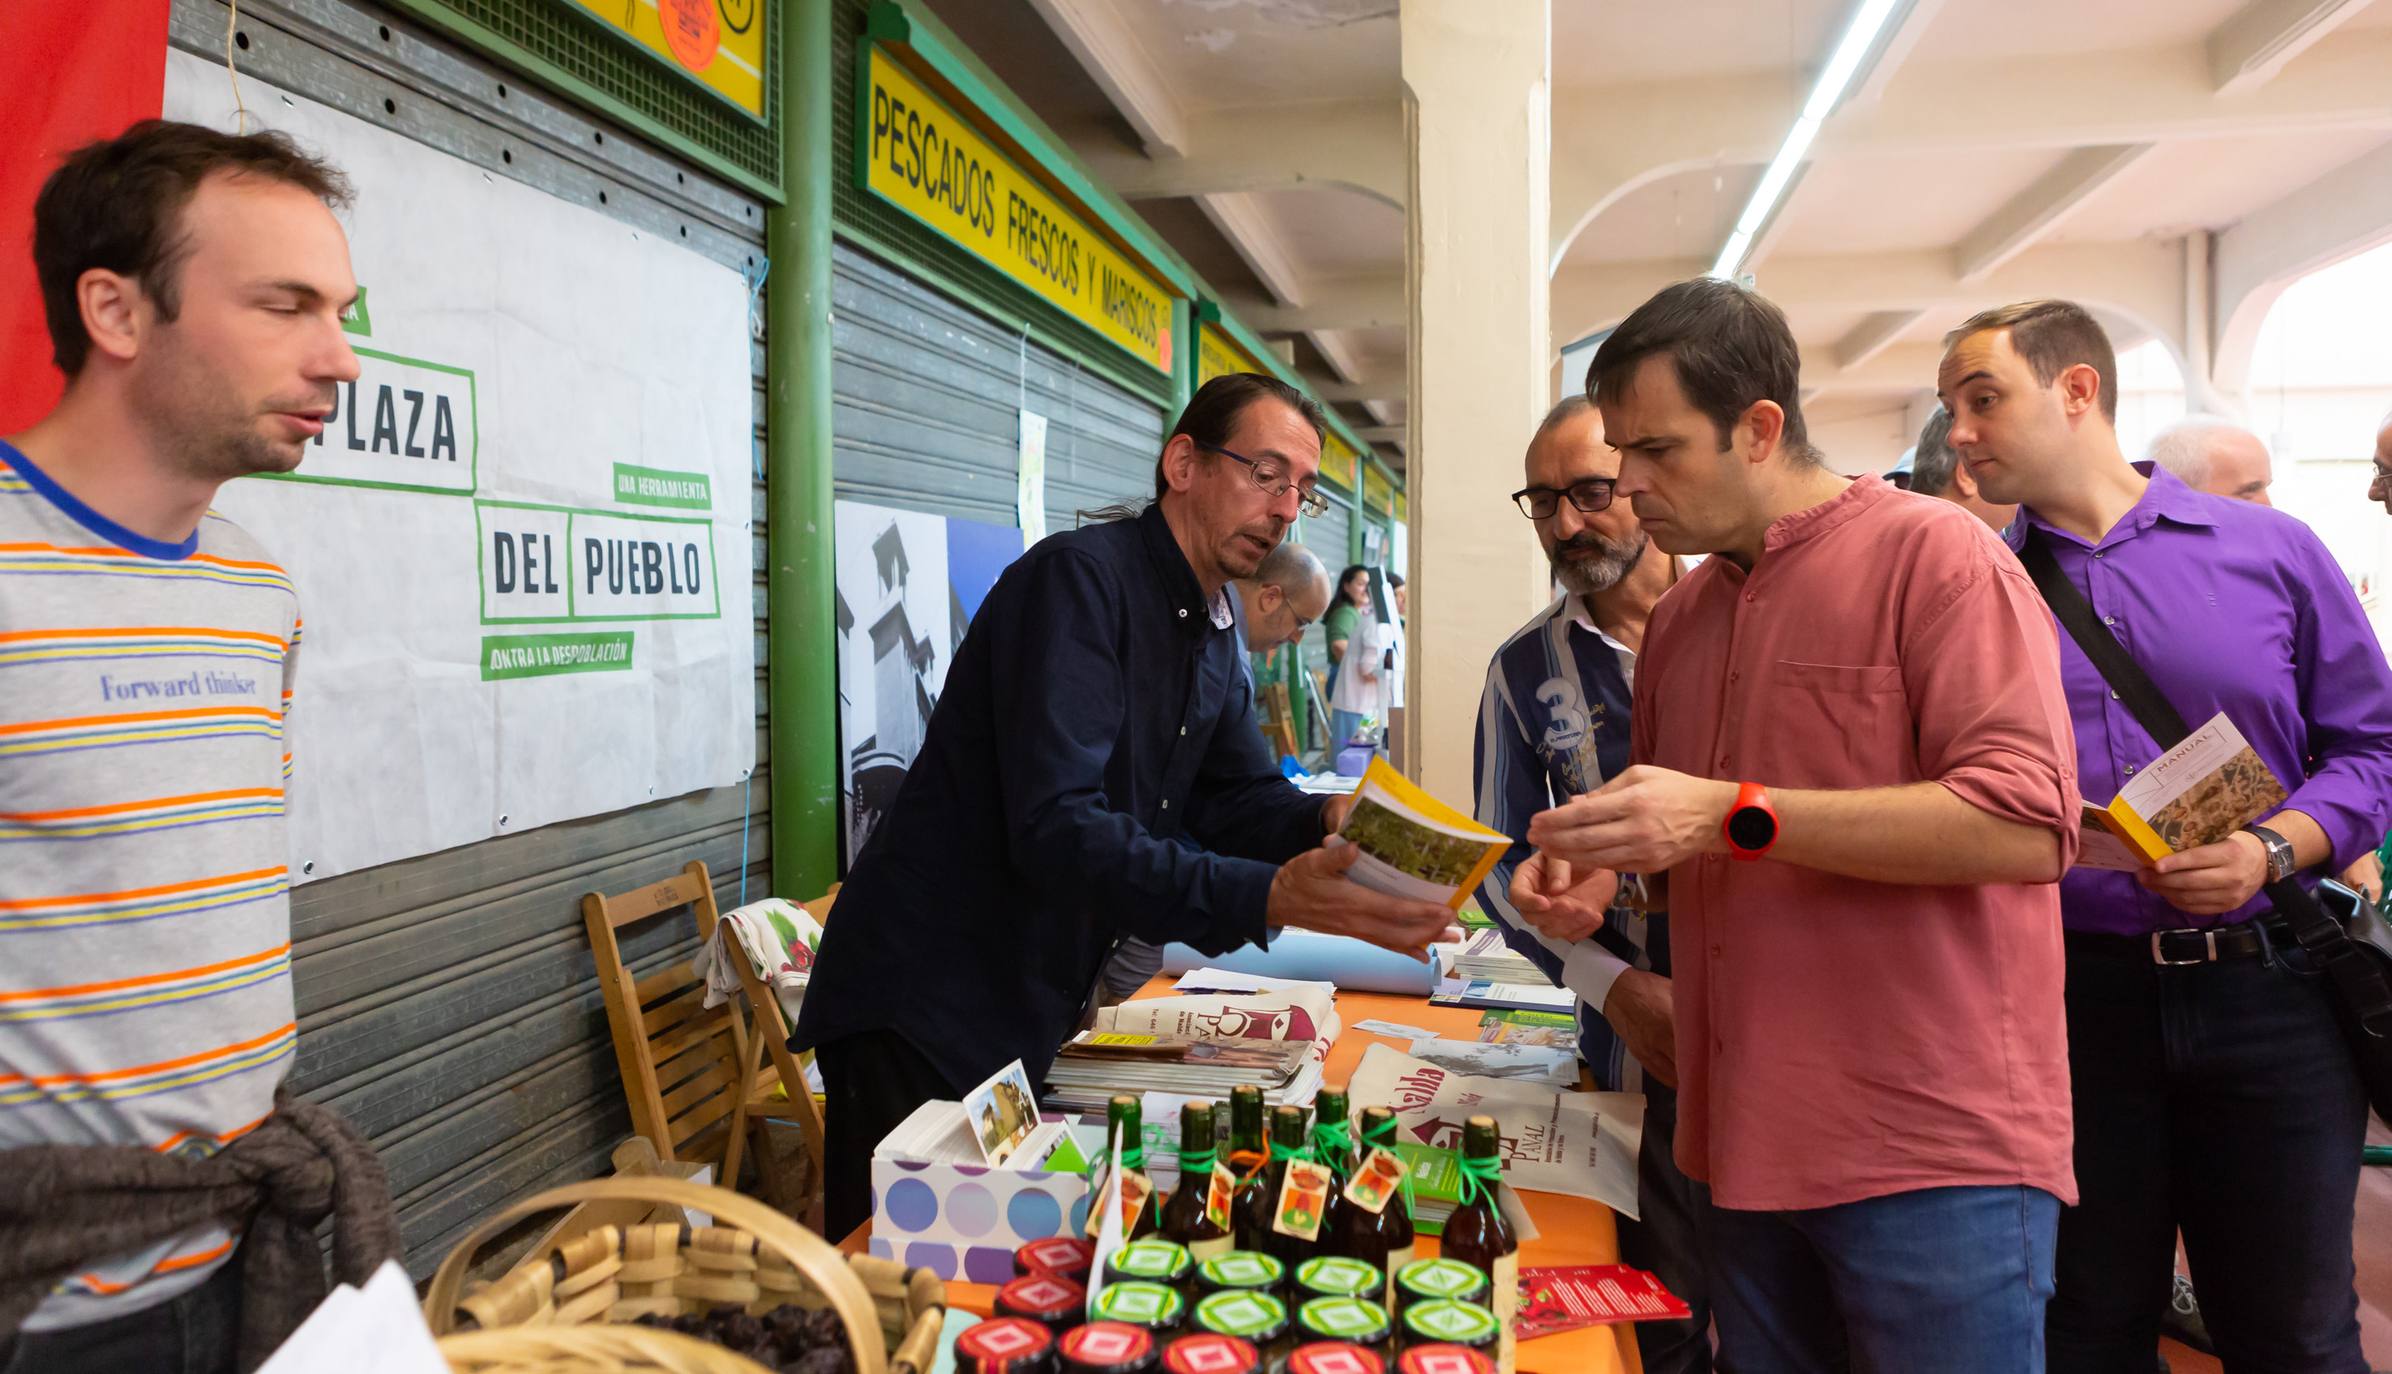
(1093, 771)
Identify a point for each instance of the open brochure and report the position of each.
(1414, 845)
(2201, 791)
(1579, 1143)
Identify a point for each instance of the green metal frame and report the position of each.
(801, 644)
(611, 67)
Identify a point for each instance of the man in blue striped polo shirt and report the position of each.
(1554, 724)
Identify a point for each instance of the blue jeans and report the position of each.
(2219, 1100)
(1939, 1281)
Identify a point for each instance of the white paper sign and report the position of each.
(1029, 497)
(522, 545)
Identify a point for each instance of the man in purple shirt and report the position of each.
(2212, 1088)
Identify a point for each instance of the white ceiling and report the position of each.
(1959, 194)
(2209, 183)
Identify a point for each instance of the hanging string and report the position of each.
(1382, 1136)
(1333, 1141)
(1480, 1176)
(232, 20)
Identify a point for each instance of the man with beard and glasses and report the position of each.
(1553, 724)
(193, 282)
(1092, 772)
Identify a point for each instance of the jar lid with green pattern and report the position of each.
(1447, 1322)
(1240, 1269)
(1239, 1312)
(1155, 1261)
(1149, 1305)
(1335, 1276)
(1440, 1278)
(1357, 1320)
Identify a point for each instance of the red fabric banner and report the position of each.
(70, 72)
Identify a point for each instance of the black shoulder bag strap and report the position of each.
(2362, 993)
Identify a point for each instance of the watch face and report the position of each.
(1751, 828)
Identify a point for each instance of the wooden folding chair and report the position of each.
(1278, 723)
(680, 1061)
(768, 1037)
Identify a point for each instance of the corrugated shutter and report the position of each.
(1327, 537)
(447, 1003)
(926, 395)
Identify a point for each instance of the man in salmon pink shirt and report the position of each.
(1855, 786)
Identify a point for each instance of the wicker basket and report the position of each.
(589, 1350)
(753, 1258)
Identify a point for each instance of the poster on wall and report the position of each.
(521, 543)
(908, 586)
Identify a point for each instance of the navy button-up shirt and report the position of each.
(1092, 771)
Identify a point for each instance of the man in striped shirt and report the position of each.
(193, 283)
(1552, 725)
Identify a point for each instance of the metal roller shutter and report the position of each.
(1327, 537)
(447, 1003)
(927, 393)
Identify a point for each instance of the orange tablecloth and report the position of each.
(1571, 1230)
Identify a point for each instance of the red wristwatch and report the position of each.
(1751, 826)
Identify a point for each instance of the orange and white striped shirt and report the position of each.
(145, 933)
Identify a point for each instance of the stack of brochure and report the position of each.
(1273, 1032)
(1485, 956)
(1108, 1062)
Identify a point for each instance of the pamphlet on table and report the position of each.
(1579, 1143)
(1567, 1297)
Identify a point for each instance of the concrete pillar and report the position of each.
(1478, 136)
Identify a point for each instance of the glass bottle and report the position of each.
(1122, 1123)
(1289, 1142)
(1333, 1144)
(1184, 1218)
(1478, 1234)
(1382, 1239)
(1247, 1158)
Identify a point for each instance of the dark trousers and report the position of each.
(1666, 1241)
(870, 1084)
(2218, 1099)
(195, 1333)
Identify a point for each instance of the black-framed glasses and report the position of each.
(1268, 477)
(1588, 497)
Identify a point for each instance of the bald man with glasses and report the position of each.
(1552, 725)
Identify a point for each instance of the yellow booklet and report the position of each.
(1414, 845)
(2197, 793)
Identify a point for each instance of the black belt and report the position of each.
(2209, 945)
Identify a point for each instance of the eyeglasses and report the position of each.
(1268, 477)
(1589, 497)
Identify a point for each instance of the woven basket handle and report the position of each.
(808, 1253)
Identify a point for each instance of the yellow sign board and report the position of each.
(1218, 355)
(916, 154)
(1403, 509)
(1339, 459)
(717, 43)
(1378, 492)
